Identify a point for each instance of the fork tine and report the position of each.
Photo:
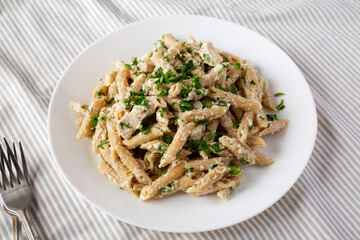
(23, 161)
(5, 182)
(12, 159)
(15, 154)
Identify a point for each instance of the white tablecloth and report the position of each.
(38, 40)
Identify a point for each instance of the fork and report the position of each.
(16, 224)
(14, 189)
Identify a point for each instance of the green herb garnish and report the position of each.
(234, 170)
(226, 59)
(167, 188)
(100, 93)
(271, 117)
(201, 145)
(124, 125)
(281, 105)
(252, 82)
(212, 166)
(216, 147)
(221, 88)
(243, 161)
(104, 142)
(145, 129)
(162, 110)
(261, 117)
(233, 89)
(279, 94)
(206, 57)
(110, 101)
(237, 66)
(134, 61)
(127, 66)
(94, 122)
(190, 169)
(167, 138)
(185, 105)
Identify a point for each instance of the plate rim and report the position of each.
(200, 229)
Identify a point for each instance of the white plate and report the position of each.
(262, 186)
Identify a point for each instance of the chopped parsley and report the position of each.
(136, 73)
(195, 53)
(233, 89)
(145, 129)
(127, 66)
(162, 149)
(94, 122)
(167, 138)
(212, 166)
(252, 82)
(163, 78)
(234, 170)
(237, 66)
(185, 70)
(211, 135)
(178, 153)
(101, 145)
(190, 169)
(185, 105)
(161, 42)
(100, 93)
(162, 110)
(271, 117)
(226, 59)
(104, 118)
(136, 99)
(216, 147)
(200, 44)
(163, 173)
(109, 101)
(236, 125)
(251, 127)
(207, 105)
(261, 117)
(134, 61)
(164, 92)
(201, 145)
(90, 110)
(171, 186)
(206, 57)
(124, 125)
(243, 161)
(281, 105)
(185, 91)
(221, 88)
(279, 94)
(220, 71)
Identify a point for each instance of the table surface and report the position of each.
(39, 39)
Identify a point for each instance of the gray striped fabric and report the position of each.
(38, 39)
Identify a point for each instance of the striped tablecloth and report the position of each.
(38, 40)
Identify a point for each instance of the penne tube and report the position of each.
(126, 156)
(141, 138)
(207, 180)
(204, 114)
(274, 126)
(236, 100)
(255, 141)
(177, 143)
(238, 149)
(245, 126)
(162, 183)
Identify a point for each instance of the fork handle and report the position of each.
(29, 227)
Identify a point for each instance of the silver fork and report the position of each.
(16, 224)
(14, 189)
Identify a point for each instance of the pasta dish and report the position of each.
(185, 117)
